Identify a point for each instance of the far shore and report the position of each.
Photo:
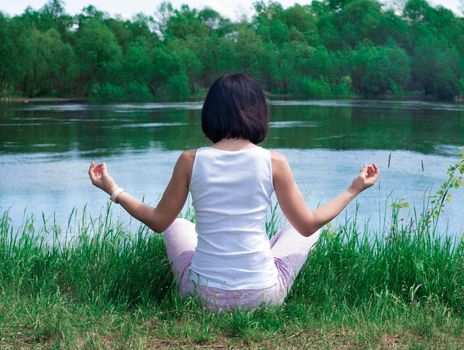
(42, 99)
(412, 96)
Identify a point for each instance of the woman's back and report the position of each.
(231, 186)
(231, 193)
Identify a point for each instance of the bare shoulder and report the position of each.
(277, 158)
(188, 156)
(185, 163)
(280, 168)
(279, 162)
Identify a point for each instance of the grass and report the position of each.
(107, 287)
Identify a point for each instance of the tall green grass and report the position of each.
(55, 287)
(98, 260)
(106, 263)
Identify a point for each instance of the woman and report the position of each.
(226, 257)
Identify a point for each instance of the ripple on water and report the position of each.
(143, 125)
(373, 104)
(292, 124)
(20, 124)
(134, 107)
(449, 150)
(57, 107)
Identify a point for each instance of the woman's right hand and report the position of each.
(100, 178)
(368, 175)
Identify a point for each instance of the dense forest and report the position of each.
(330, 48)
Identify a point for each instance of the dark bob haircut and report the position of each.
(235, 107)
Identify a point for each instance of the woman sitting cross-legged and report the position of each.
(226, 257)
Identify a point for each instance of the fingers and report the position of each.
(92, 171)
(364, 172)
(369, 173)
(99, 170)
(374, 174)
(372, 170)
(96, 171)
(104, 169)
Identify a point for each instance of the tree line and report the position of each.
(330, 48)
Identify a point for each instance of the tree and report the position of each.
(7, 54)
(137, 64)
(360, 20)
(436, 68)
(377, 69)
(328, 48)
(183, 23)
(99, 52)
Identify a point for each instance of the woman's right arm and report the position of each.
(292, 202)
(160, 217)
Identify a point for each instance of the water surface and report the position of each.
(45, 150)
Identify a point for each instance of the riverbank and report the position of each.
(27, 100)
(409, 96)
(95, 284)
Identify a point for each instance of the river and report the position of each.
(45, 151)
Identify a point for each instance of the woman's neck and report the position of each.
(233, 144)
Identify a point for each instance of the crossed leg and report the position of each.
(289, 248)
(180, 240)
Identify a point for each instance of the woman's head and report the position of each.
(235, 107)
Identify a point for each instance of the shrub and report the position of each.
(138, 92)
(310, 88)
(177, 88)
(106, 92)
(343, 88)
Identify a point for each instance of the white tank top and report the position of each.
(231, 193)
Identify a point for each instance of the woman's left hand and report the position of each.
(366, 178)
(100, 178)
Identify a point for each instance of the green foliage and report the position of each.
(137, 65)
(396, 89)
(377, 69)
(360, 19)
(309, 51)
(343, 88)
(165, 65)
(306, 87)
(108, 92)
(436, 66)
(99, 52)
(417, 10)
(310, 88)
(177, 88)
(138, 92)
(454, 180)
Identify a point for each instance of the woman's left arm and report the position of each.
(171, 203)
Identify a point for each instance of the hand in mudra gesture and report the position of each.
(101, 178)
(368, 175)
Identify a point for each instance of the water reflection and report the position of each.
(419, 126)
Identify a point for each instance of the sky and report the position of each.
(232, 9)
